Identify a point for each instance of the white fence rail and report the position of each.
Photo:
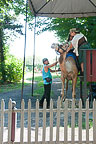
(57, 130)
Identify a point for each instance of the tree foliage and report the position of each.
(61, 27)
(13, 70)
(9, 26)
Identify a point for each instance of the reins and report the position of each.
(59, 47)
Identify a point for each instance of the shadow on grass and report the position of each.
(11, 87)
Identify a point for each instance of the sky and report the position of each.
(43, 44)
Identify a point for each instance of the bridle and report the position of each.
(60, 47)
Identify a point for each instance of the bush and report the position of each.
(13, 69)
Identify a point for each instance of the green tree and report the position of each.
(9, 26)
(2, 59)
(13, 69)
(61, 27)
(6, 24)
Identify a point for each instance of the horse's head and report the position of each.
(55, 46)
(65, 46)
(61, 48)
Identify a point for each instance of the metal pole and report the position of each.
(24, 51)
(33, 56)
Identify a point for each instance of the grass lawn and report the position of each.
(27, 81)
(38, 91)
(11, 86)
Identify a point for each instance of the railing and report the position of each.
(59, 125)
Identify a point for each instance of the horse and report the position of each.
(68, 68)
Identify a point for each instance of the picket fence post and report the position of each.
(22, 122)
(2, 121)
(29, 121)
(9, 120)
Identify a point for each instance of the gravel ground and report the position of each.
(15, 95)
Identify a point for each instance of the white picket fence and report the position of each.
(49, 133)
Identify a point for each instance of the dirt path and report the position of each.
(15, 95)
(56, 90)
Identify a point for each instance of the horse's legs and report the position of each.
(63, 83)
(73, 87)
(66, 87)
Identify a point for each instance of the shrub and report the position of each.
(13, 69)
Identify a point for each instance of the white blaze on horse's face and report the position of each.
(55, 46)
(65, 46)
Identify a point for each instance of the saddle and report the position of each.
(73, 55)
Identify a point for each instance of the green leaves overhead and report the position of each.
(61, 27)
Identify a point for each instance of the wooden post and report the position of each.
(85, 82)
(37, 122)
(13, 122)
(9, 120)
(2, 121)
(51, 121)
(29, 122)
(22, 122)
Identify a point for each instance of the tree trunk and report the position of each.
(2, 58)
